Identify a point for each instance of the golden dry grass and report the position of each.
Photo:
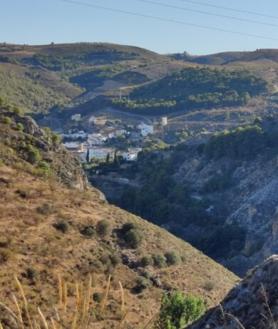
(35, 246)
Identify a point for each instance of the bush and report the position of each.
(103, 228)
(18, 111)
(44, 167)
(141, 284)
(146, 261)
(33, 155)
(61, 226)
(178, 310)
(127, 227)
(172, 258)
(110, 260)
(88, 231)
(23, 193)
(131, 235)
(7, 120)
(209, 286)
(56, 139)
(19, 126)
(159, 261)
(30, 274)
(133, 238)
(97, 297)
(105, 259)
(45, 209)
(115, 260)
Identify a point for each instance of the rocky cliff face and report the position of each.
(250, 202)
(251, 304)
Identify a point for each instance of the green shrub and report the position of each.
(88, 231)
(209, 286)
(146, 261)
(127, 227)
(33, 154)
(30, 274)
(105, 259)
(44, 167)
(61, 226)
(19, 126)
(131, 235)
(56, 139)
(7, 120)
(159, 261)
(172, 258)
(97, 297)
(141, 284)
(133, 238)
(45, 209)
(115, 260)
(178, 310)
(18, 111)
(103, 228)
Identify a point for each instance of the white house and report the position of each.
(76, 117)
(96, 139)
(131, 154)
(92, 120)
(164, 121)
(145, 129)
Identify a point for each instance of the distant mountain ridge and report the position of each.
(229, 57)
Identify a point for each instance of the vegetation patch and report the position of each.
(178, 310)
(130, 235)
(194, 88)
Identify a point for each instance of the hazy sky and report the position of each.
(44, 21)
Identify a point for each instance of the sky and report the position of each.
(62, 21)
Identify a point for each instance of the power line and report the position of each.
(207, 13)
(229, 9)
(163, 19)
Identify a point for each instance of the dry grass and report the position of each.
(36, 245)
(75, 311)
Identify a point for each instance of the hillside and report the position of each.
(230, 57)
(192, 89)
(38, 78)
(52, 223)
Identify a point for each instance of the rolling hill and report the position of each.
(38, 78)
(231, 57)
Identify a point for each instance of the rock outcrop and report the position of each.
(22, 133)
(253, 303)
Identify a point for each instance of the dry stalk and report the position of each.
(122, 298)
(104, 301)
(43, 319)
(25, 302)
(274, 326)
